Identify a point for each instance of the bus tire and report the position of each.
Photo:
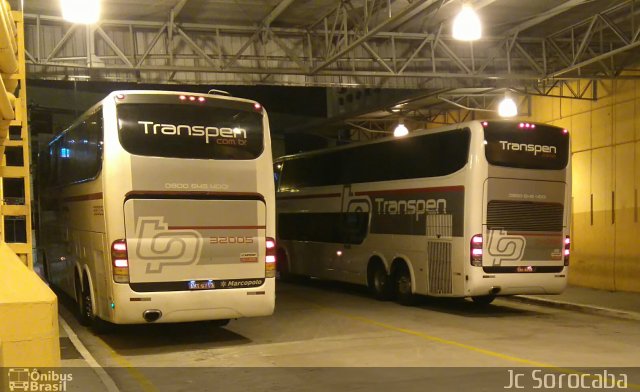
(379, 283)
(483, 300)
(403, 286)
(81, 303)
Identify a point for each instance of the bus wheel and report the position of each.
(483, 300)
(379, 282)
(404, 294)
(81, 301)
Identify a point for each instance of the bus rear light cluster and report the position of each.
(120, 260)
(525, 125)
(270, 258)
(191, 98)
(476, 250)
(567, 251)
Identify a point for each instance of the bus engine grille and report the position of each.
(439, 254)
(524, 216)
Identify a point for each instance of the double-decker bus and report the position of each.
(159, 206)
(476, 209)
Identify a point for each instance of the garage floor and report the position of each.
(321, 327)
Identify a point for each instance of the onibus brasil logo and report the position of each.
(35, 380)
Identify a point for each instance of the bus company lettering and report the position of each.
(232, 136)
(534, 148)
(160, 247)
(415, 207)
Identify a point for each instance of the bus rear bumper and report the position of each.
(518, 283)
(185, 306)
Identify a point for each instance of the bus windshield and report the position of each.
(527, 146)
(217, 130)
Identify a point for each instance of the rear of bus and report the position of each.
(189, 208)
(522, 246)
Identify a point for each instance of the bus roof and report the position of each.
(417, 132)
(385, 139)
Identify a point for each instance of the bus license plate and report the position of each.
(201, 285)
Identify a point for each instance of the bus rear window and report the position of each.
(217, 130)
(526, 145)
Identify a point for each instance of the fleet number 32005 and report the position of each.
(231, 240)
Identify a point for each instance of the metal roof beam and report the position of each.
(195, 47)
(277, 11)
(592, 60)
(113, 46)
(152, 44)
(409, 12)
(177, 8)
(564, 7)
(61, 43)
(266, 22)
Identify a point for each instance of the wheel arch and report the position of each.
(283, 259)
(401, 261)
(88, 280)
(78, 279)
(375, 259)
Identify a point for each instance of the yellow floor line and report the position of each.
(465, 346)
(144, 382)
(104, 377)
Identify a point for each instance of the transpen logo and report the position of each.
(162, 247)
(415, 207)
(534, 148)
(220, 135)
(502, 246)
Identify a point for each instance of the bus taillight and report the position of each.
(270, 258)
(120, 260)
(567, 245)
(476, 250)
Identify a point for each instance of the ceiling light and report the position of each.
(507, 107)
(400, 131)
(81, 11)
(466, 25)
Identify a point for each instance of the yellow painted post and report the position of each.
(28, 308)
(17, 120)
(28, 316)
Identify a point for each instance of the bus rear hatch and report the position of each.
(524, 226)
(185, 244)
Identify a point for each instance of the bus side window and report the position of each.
(52, 173)
(355, 226)
(277, 171)
(63, 160)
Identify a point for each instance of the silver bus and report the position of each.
(477, 209)
(159, 206)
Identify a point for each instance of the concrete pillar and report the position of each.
(28, 316)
